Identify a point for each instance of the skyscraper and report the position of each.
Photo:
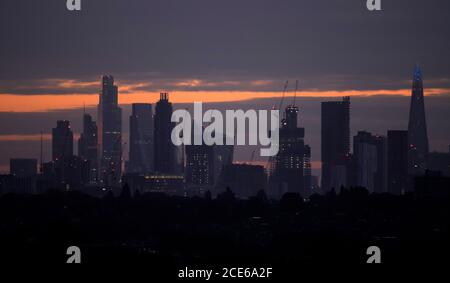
(417, 127)
(200, 166)
(370, 161)
(110, 133)
(335, 141)
(397, 161)
(141, 139)
(291, 170)
(65, 170)
(62, 141)
(88, 146)
(164, 148)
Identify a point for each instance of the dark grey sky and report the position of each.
(328, 44)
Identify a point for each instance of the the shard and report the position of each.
(417, 127)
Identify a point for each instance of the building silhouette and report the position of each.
(88, 146)
(440, 162)
(23, 167)
(170, 184)
(141, 155)
(369, 155)
(432, 184)
(165, 151)
(245, 180)
(62, 141)
(204, 164)
(200, 167)
(291, 168)
(65, 171)
(335, 143)
(72, 173)
(110, 133)
(397, 161)
(417, 127)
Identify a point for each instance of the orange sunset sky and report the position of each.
(43, 102)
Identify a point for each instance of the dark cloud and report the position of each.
(327, 44)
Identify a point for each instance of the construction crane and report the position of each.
(283, 95)
(269, 160)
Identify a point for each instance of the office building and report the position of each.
(110, 134)
(62, 141)
(335, 143)
(88, 146)
(23, 167)
(291, 168)
(397, 165)
(165, 151)
(141, 144)
(369, 153)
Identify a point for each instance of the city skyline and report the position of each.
(151, 150)
(437, 138)
(225, 139)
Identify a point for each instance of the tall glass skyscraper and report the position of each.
(141, 139)
(110, 133)
(335, 135)
(164, 148)
(88, 146)
(62, 141)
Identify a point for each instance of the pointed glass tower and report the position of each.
(417, 127)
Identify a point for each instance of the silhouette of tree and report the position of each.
(291, 202)
(208, 196)
(126, 192)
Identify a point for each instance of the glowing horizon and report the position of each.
(53, 102)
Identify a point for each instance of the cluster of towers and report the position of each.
(380, 163)
(99, 161)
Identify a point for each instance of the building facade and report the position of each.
(291, 168)
(335, 143)
(165, 151)
(88, 146)
(141, 156)
(62, 141)
(110, 134)
(397, 165)
(417, 128)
